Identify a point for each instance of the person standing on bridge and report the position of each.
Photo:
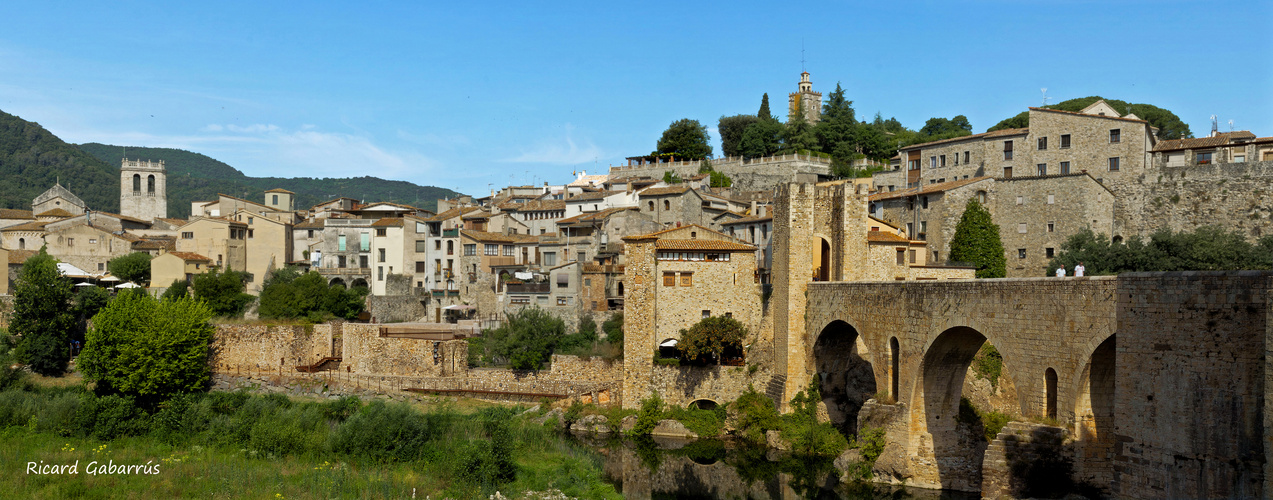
(1060, 272)
(1078, 270)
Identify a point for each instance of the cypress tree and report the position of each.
(764, 113)
(977, 242)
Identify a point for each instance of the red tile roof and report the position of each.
(388, 222)
(20, 256)
(662, 191)
(885, 237)
(983, 135)
(190, 256)
(10, 213)
(57, 212)
(729, 246)
(1220, 139)
(931, 188)
(28, 226)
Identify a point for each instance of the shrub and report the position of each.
(705, 423)
(134, 267)
(870, 443)
(614, 329)
(149, 349)
(801, 427)
(110, 417)
(756, 415)
(177, 290)
(491, 464)
(288, 293)
(384, 432)
(649, 415)
(988, 364)
(222, 291)
(976, 241)
(525, 341)
(710, 337)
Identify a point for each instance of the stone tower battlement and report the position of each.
(806, 100)
(143, 189)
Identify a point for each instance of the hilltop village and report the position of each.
(793, 254)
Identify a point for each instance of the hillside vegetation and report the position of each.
(197, 177)
(32, 159)
(1169, 125)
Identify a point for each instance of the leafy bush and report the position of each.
(977, 242)
(649, 415)
(614, 329)
(491, 465)
(756, 415)
(710, 337)
(870, 443)
(177, 290)
(1203, 249)
(705, 423)
(109, 417)
(988, 363)
(385, 432)
(222, 291)
(525, 341)
(289, 294)
(149, 349)
(801, 427)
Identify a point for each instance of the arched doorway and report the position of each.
(958, 441)
(845, 374)
(1094, 416)
(358, 283)
(821, 260)
(337, 282)
(703, 404)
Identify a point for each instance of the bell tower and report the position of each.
(806, 99)
(143, 189)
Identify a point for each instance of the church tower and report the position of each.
(143, 190)
(806, 97)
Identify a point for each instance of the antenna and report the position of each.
(1231, 125)
(802, 54)
(1215, 126)
(1045, 95)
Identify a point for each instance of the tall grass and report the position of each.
(242, 445)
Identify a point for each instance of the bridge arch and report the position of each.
(704, 404)
(846, 377)
(338, 282)
(1094, 414)
(359, 283)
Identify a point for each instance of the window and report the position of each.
(587, 282)
(250, 220)
(936, 256)
(437, 245)
(956, 159)
(310, 234)
(563, 280)
(362, 261)
(450, 248)
(1051, 227)
(1049, 252)
(380, 231)
(1020, 253)
(1239, 158)
(687, 279)
(550, 258)
(966, 157)
(943, 160)
(1043, 143)
(490, 249)
(380, 257)
(1065, 141)
(1007, 172)
(651, 207)
(380, 273)
(340, 261)
(1204, 158)
(923, 227)
(275, 199)
(1115, 136)
(136, 183)
(1065, 168)
(924, 202)
(470, 249)
(508, 250)
(707, 313)
(70, 242)
(669, 279)
(187, 235)
(1021, 200)
(1007, 150)
(419, 267)
(910, 228)
(1042, 168)
(1051, 199)
(340, 244)
(1113, 164)
(1021, 228)
(101, 266)
(901, 257)
(364, 242)
(932, 162)
(251, 233)
(981, 197)
(422, 245)
(912, 256)
(563, 301)
(667, 205)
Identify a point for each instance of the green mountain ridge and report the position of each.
(198, 177)
(32, 160)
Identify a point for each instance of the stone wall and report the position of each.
(1026, 460)
(1037, 214)
(757, 174)
(266, 348)
(1232, 196)
(1191, 374)
(397, 308)
(682, 385)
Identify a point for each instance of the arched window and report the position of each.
(450, 248)
(894, 351)
(667, 205)
(22, 243)
(1050, 380)
(150, 184)
(651, 206)
(136, 183)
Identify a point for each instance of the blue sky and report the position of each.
(464, 95)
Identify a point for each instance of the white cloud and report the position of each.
(212, 127)
(252, 129)
(555, 152)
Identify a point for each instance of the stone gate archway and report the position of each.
(844, 373)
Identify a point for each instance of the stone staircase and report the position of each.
(329, 363)
(775, 388)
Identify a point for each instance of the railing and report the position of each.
(344, 270)
(451, 233)
(501, 261)
(527, 287)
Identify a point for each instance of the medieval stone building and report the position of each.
(143, 191)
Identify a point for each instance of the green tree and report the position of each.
(614, 328)
(670, 177)
(838, 123)
(42, 315)
(763, 138)
(798, 134)
(764, 113)
(943, 128)
(1203, 249)
(222, 291)
(731, 130)
(525, 341)
(1168, 124)
(178, 289)
(977, 242)
(710, 337)
(149, 349)
(687, 139)
(288, 293)
(134, 267)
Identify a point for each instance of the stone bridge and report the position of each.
(1158, 377)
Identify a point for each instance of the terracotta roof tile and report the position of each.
(1135, 120)
(885, 237)
(663, 191)
(28, 226)
(57, 212)
(388, 222)
(983, 135)
(317, 223)
(190, 256)
(665, 244)
(1202, 142)
(930, 188)
(20, 256)
(484, 236)
(592, 195)
(10, 213)
(279, 190)
(593, 216)
(749, 219)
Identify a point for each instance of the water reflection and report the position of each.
(651, 468)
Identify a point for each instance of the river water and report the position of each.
(668, 468)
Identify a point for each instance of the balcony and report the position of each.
(451, 233)
(527, 288)
(437, 294)
(501, 261)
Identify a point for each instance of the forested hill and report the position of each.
(32, 160)
(1169, 125)
(197, 177)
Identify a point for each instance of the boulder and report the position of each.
(848, 459)
(628, 423)
(775, 441)
(672, 428)
(553, 415)
(591, 424)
